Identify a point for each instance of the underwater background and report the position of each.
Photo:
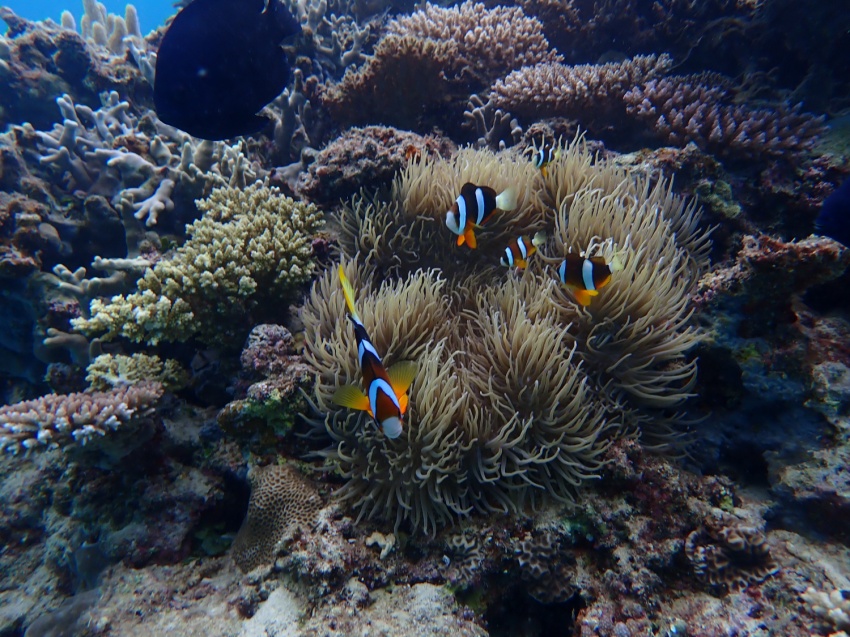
(509, 319)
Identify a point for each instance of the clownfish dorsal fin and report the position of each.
(350, 396)
(348, 292)
(401, 374)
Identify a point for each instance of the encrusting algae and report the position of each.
(520, 389)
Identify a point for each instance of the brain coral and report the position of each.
(282, 502)
(519, 390)
(251, 249)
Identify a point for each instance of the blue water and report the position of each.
(152, 13)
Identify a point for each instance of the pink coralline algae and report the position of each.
(684, 109)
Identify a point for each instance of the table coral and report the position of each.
(251, 246)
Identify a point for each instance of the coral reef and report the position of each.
(116, 370)
(365, 158)
(542, 476)
(42, 61)
(451, 52)
(590, 93)
(730, 555)
(768, 273)
(282, 502)
(119, 417)
(685, 109)
(251, 245)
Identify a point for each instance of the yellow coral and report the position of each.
(251, 245)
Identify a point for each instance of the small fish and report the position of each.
(219, 63)
(520, 249)
(544, 156)
(586, 276)
(386, 398)
(834, 218)
(473, 208)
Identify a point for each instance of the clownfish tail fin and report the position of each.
(507, 199)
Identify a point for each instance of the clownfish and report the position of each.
(543, 156)
(520, 249)
(586, 276)
(386, 389)
(472, 209)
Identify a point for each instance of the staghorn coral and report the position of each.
(78, 419)
(729, 555)
(282, 503)
(590, 93)
(687, 109)
(252, 245)
(41, 61)
(432, 60)
(530, 388)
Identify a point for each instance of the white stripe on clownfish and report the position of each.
(386, 388)
(586, 274)
(363, 347)
(479, 200)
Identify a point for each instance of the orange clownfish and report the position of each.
(585, 276)
(520, 249)
(386, 389)
(473, 208)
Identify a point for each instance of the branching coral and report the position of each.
(79, 419)
(590, 93)
(519, 390)
(685, 109)
(489, 41)
(115, 370)
(251, 245)
(434, 57)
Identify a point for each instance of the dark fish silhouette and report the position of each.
(834, 218)
(220, 63)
